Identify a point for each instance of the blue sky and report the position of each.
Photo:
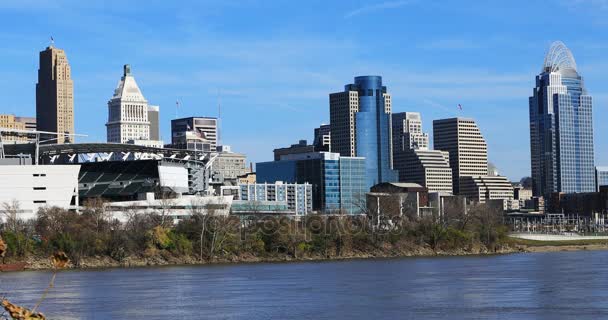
(275, 62)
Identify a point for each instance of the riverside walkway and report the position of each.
(555, 237)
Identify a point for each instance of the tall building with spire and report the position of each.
(360, 125)
(561, 127)
(55, 96)
(130, 118)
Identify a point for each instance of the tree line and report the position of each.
(207, 236)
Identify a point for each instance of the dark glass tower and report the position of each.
(561, 127)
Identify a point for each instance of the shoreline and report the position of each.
(92, 263)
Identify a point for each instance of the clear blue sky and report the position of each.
(275, 62)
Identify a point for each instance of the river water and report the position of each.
(559, 285)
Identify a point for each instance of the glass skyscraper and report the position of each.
(360, 120)
(561, 127)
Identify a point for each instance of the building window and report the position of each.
(39, 201)
(39, 188)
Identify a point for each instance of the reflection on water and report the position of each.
(561, 285)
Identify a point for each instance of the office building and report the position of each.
(301, 147)
(601, 177)
(339, 183)
(298, 196)
(429, 168)
(483, 188)
(228, 165)
(153, 118)
(9, 121)
(322, 138)
(412, 158)
(407, 132)
(55, 96)
(128, 112)
(194, 133)
(561, 127)
(360, 124)
(468, 152)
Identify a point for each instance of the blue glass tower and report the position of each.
(360, 120)
(561, 127)
(339, 183)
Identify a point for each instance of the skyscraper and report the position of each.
(128, 112)
(55, 96)
(561, 127)
(360, 122)
(467, 148)
(412, 158)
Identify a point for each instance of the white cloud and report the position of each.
(450, 44)
(377, 7)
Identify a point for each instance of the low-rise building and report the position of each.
(228, 165)
(247, 178)
(584, 203)
(175, 209)
(338, 182)
(521, 195)
(297, 196)
(397, 199)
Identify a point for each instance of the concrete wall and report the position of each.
(38, 186)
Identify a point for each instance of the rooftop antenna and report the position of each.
(219, 117)
(52, 42)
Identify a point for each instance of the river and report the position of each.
(557, 285)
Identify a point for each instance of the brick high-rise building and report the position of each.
(55, 95)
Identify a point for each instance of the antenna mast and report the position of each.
(219, 117)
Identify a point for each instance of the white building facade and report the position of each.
(297, 195)
(34, 186)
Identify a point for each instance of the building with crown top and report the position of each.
(129, 115)
(561, 127)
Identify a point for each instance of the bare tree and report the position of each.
(167, 202)
(96, 207)
(11, 212)
(196, 211)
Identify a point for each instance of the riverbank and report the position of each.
(96, 262)
(527, 245)
(514, 246)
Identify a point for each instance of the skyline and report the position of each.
(288, 73)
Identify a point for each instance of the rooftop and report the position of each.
(559, 58)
